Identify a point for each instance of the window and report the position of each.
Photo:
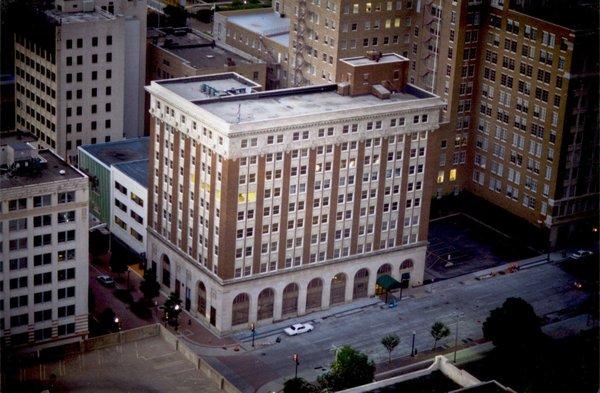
(66, 236)
(17, 204)
(109, 40)
(42, 278)
(66, 292)
(66, 274)
(66, 197)
(65, 217)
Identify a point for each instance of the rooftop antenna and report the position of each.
(239, 113)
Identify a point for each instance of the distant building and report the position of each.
(97, 162)
(80, 72)
(129, 203)
(263, 34)
(269, 205)
(43, 247)
(182, 52)
(438, 375)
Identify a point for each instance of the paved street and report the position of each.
(362, 324)
(546, 287)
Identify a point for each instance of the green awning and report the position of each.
(388, 282)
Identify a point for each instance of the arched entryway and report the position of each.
(266, 299)
(361, 284)
(314, 294)
(166, 271)
(337, 293)
(201, 299)
(289, 305)
(405, 269)
(386, 268)
(240, 309)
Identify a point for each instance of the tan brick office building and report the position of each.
(269, 205)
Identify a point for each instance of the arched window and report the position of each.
(240, 309)
(290, 300)
(201, 299)
(166, 271)
(337, 294)
(361, 283)
(386, 268)
(314, 293)
(266, 299)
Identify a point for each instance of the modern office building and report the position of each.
(268, 205)
(80, 73)
(129, 203)
(97, 162)
(43, 247)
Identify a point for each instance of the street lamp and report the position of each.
(296, 359)
(458, 315)
(412, 351)
(253, 329)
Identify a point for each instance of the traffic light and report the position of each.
(296, 358)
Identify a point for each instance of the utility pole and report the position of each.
(456, 336)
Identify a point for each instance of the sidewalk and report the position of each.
(465, 354)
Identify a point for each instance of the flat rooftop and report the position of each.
(266, 23)
(206, 86)
(78, 17)
(281, 39)
(48, 173)
(111, 153)
(148, 365)
(136, 170)
(176, 37)
(300, 102)
(10, 138)
(363, 60)
(208, 57)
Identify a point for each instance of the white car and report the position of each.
(105, 280)
(581, 254)
(298, 328)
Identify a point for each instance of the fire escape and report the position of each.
(272, 66)
(299, 47)
(431, 36)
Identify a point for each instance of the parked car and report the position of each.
(579, 254)
(298, 328)
(105, 280)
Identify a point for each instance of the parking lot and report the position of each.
(459, 244)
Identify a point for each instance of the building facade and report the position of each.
(76, 71)
(129, 203)
(263, 34)
(97, 162)
(44, 248)
(275, 204)
(519, 128)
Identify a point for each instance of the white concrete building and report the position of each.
(80, 73)
(43, 248)
(269, 205)
(128, 205)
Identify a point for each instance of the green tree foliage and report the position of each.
(390, 342)
(299, 385)
(349, 369)
(106, 320)
(514, 326)
(149, 286)
(175, 16)
(438, 332)
(172, 309)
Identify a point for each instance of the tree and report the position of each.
(349, 369)
(176, 15)
(117, 264)
(513, 327)
(298, 385)
(439, 331)
(107, 321)
(390, 342)
(172, 309)
(149, 286)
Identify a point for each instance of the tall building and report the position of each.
(43, 247)
(80, 73)
(273, 204)
(520, 125)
